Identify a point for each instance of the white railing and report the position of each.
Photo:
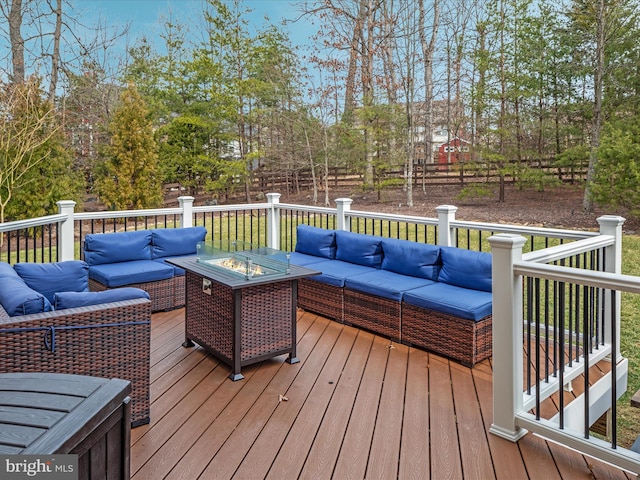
(516, 403)
(512, 402)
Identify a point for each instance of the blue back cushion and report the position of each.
(172, 242)
(316, 241)
(411, 258)
(16, 297)
(64, 300)
(359, 248)
(49, 278)
(466, 268)
(100, 248)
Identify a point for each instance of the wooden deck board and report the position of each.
(356, 409)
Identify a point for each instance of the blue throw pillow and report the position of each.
(411, 258)
(315, 241)
(359, 248)
(173, 242)
(49, 278)
(18, 299)
(466, 268)
(100, 248)
(64, 300)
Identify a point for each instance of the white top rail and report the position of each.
(32, 222)
(307, 208)
(524, 230)
(558, 252)
(590, 278)
(393, 217)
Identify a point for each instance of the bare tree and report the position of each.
(27, 124)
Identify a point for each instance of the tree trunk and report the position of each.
(17, 42)
(596, 126)
(55, 57)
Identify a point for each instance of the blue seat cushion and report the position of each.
(17, 298)
(100, 248)
(176, 242)
(177, 271)
(334, 272)
(466, 268)
(359, 248)
(64, 300)
(128, 273)
(451, 300)
(303, 259)
(385, 284)
(49, 278)
(411, 258)
(315, 241)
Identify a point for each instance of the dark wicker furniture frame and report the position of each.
(465, 341)
(166, 294)
(110, 340)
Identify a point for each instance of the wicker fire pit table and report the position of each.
(241, 306)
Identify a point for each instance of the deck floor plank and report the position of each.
(323, 455)
(269, 442)
(300, 437)
(356, 409)
(474, 447)
(445, 453)
(387, 435)
(354, 453)
(414, 455)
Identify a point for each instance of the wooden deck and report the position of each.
(355, 407)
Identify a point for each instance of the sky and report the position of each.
(145, 16)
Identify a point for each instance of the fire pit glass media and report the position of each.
(243, 259)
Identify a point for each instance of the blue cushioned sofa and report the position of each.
(51, 322)
(138, 259)
(437, 298)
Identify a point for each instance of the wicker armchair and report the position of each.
(110, 340)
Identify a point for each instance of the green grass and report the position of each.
(628, 416)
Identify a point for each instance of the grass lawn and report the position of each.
(629, 417)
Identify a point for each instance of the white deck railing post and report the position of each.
(507, 336)
(186, 217)
(612, 225)
(273, 221)
(446, 233)
(343, 205)
(66, 249)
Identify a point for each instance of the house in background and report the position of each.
(454, 151)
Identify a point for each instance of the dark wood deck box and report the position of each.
(50, 413)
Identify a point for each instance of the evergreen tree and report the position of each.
(129, 177)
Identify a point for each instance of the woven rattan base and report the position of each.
(321, 298)
(109, 341)
(161, 292)
(463, 340)
(380, 315)
(241, 326)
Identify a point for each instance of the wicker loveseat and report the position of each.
(138, 259)
(437, 298)
(101, 334)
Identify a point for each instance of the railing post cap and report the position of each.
(185, 198)
(446, 209)
(65, 203)
(612, 220)
(506, 240)
(273, 197)
(344, 201)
